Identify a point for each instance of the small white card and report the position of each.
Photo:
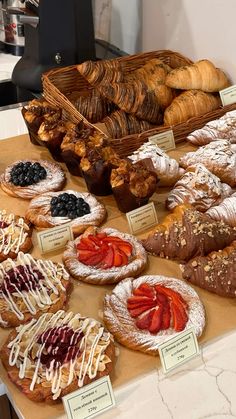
(91, 400)
(228, 95)
(178, 350)
(165, 140)
(54, 238)
(142, 218)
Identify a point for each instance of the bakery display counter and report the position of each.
(135, 374)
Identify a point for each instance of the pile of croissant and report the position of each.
(152, 95)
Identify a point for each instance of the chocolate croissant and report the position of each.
(187, 233)
(97, 72)
(215, 272)
(119, 124)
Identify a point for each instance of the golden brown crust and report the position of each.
(25, 246)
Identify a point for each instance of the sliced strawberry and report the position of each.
(145, 289)
(114, 239)
(149, 303)
(117, 256)
(101, 236)
(125, 259)
(85, 254)
(138, 299)
(85, 241)
(173, 295)
(108, 259)
(135, 312)
(155, 324)
(166, 317)
(94, 239)
(179, 316)
(126, 248)
(162, 299)
(145, 321)
(94, 259)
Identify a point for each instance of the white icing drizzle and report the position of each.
(86, 353)
(14, 235)
(38, 291)
(225, 211)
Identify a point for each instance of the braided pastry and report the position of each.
(215, 272)
(198, 187)
(186, 233)
(219, 157)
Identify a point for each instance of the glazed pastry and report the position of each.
(119, 124)
(214, 272)
(15, 235)
(104, 256)
(57, 208)
(222, 128)
(219, 157)
(199, 188)
(56, 354)
(30, 287)
(225, 211)
(166, 169)
(190, 104)
(143, 313)
(28, 178)
(187, 233)
(132, 185)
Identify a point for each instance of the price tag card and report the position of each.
(228, 95)
(165, 140)
(142, 218)
(178, 350)
(91, 400)
(54, 238)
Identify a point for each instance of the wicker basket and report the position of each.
(59, 83)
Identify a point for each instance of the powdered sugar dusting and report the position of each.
(122, 325)
(225, 211)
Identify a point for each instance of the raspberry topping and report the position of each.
(21, 278)
(3, 224)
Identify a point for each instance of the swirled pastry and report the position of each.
(166, 168)
(222, 128)
(142, 313)
(219, 157)
(199, 188)
(54, 355)
(28, 178)
(104, 256)
(57, 208)
(215, 272)
(30, 287)
(15, 235)
(187, 233)
(225, 211)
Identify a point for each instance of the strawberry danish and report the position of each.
(104, 256)
(142, 313)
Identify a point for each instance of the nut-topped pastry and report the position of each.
(199, 188)
(144, 312)
(104, 256)
(57, 354)
(30, 287)
(132, 185)
(57, 208)
(187, 233)
(28, 178)
(225, 211)
(15, 235)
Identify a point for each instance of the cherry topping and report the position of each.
(21, 278)
(3, 224)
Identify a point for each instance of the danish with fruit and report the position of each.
(104, 256)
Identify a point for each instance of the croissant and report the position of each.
(219, 157)
(202, 75)
(225, 211)
(215, 272)
(106, 71)
(222, 128)
(166, 169)
(199, 188)
(94, 107)
(119, 124)
(187, 233)
(133, 97)
(190, 104)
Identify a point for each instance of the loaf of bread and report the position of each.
(189, 104)
(202, 75)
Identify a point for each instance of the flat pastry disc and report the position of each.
(39, 212)
(100, 276)
(119, 322)
(54, 181)
(30, 287)
(15, 235)
(56, 354)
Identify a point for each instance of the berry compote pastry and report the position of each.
(144, 312)
(104, 256)
(28, 178)
(56, 354)
(15, 235)
(30, 287)
(57, 208)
